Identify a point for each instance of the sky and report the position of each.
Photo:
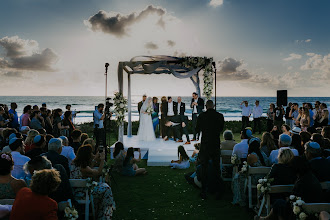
(59, 47)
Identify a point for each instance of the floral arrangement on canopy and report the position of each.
(120, 107)
(206, 64)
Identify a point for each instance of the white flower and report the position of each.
(292, 197)
(268, 184)
(298, 198)
(302, 216)
(75, 214)
(243, 169)
(67, 210)
(296, 210)
(121, 105)
(262, 189)
(259, 181)
(244, 162)
(300, 202)
(259, 186)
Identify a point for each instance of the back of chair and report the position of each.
(316, 207)
(7, 201)
(226, 152)
(78, 183)
(325, 185)
(258, 170)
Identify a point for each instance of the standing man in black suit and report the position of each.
(181, 106)
(211, 124)
(141, 103)
(197, 105)
(170, 111)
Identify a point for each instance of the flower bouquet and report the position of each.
(235, 159)
(91, 184)
(264, 185)
(297, 203)
(70, 212)
(244, 167)
(150, 110)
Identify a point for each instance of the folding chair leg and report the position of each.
(262, 205)
(250, 192)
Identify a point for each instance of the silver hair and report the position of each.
(228, 135)
(55, 145)
(44, 163)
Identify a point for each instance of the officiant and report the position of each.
(179, 123)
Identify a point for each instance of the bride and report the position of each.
(146, 129)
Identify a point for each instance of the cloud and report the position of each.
(24, 55)
(14, 74)
(293, 56)
(179, 54)
(308, 40)
(319, 63)
(216, 3)
(117, 24)
(150, 45)
(304, 41)
(310, 54)
(228, 70)
(171, 43)
(290, 68)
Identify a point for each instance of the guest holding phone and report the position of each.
(130, 168)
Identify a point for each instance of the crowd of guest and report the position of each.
(39, 153)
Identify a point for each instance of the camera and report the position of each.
(108, 105)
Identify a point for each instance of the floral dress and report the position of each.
(239, 181)
(102, 196)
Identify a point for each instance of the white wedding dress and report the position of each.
(146, 128)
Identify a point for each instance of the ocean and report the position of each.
(228, 106)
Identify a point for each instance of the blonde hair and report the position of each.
(89, 141)
(285, 155)
(45, 181)
(30, 136)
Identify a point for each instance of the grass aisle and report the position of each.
(164, 194)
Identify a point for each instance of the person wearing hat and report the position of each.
(283, 142)
(295, 130)
(39, 143)
(320, 166)
(17, 147)
(241, 149)
(6, 149)
(54, 154)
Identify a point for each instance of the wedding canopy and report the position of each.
(180, 67)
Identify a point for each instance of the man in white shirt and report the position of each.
(241, 149)
(17, 147)
(67, 150)
(283, 142)
(197, 105)
(181, 106)
(99, 131)
(257, 113)
(246, 113)
(170, 111)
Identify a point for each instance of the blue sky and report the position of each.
(260, 46)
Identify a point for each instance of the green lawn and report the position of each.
(164, 194)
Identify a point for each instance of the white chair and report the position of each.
(82, 183)
(316, 207)
(226, 153)
(255, 171)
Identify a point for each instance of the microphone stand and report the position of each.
(215, 85)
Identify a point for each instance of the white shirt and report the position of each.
(257, 111)
(170, 111)
(195, 107)
(68, 152)
(241, 149)
(179, 107)
(246, 111)
(19, 161)
(274, 154)
(6, 149)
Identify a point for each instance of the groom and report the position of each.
(170, 110)
(178, 123)
(141, 103)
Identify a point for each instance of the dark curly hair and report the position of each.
(84, 156)
(6, 165)
(45, 181)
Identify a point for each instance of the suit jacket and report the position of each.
(182, 108)
(321, 169)
(56, 158)
(156, 107)
(30, 206)
(139, 106)
(179, 119)
(283, 174)
(211, 124)
(200, 105)
(175, 109)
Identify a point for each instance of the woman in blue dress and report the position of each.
(130, 167)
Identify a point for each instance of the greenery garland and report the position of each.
(206, 64)
(120, 107)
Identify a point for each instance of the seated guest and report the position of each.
(241, 149)
(326, 132)
(29, 145)
(37, 122)
(318, 138)
(25, 130)
(76, 140)
(195, 153)
(64, 190)
(281, 172)
(17, 147)
(34, 203)
(307, 187)
(84, 136)
(67, 151)
(267, 143)
(5, 136)
(119, 155)
(54, 154)
(183, 162)
(6, 149)
(284, 141)
(96, 159)
(82, 167)
(9, 185)
(229, 142)
(39, 143)
(286, 129)
(296, 143)
(255, 158)
(319, 165)
(275, 133)
(305, 137)
(130, 168)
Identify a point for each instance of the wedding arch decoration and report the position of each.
(180, 67)
(120, 107)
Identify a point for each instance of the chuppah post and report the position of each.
(129, 127)
(120, 86)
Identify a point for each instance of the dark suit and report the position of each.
(199, 108)
(177, 128)
(211, 124)
(139, 106)
(56, 158)
(182, 108)
(169, 118)
(321, 168)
